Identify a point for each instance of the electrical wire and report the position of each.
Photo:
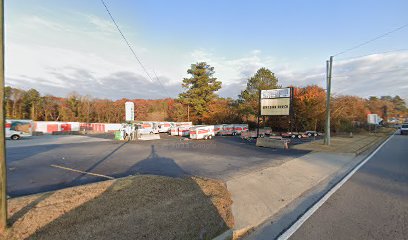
(366, 55)
(130, 47)
(343, 76)
(371, 40)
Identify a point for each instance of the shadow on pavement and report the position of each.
(137, 207)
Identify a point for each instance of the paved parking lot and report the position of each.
(47, 163)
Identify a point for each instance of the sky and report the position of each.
(59, 47)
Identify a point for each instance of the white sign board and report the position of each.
(275, 93)
(373, 119)
(275, 102)
(129, 111)
(275, 106)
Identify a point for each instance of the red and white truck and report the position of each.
(202, 132)
(218, 128)
(183, 126)
(184, 131)
(164, 127)
(239, 128)
(227, 129)
(16, 129)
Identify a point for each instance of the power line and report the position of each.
(130, 47)
(366, 55)
(371, 40)
(362, 74)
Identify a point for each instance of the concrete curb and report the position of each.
(227, 235)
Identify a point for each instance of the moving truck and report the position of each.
(154, 126)
(183, 131)
(16, 129)
(218, 129)
(239, 128)
(202, 132)
(164, 127)
(227, 129)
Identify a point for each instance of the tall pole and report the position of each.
(188, 112)
(259, 115)
(329, 65)
(3, 176)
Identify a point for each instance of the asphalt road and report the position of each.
(372, 204)
(31, 162)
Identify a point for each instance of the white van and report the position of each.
(16, 129)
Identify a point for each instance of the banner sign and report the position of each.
(275, 102)
(130, 111)
(276, 93)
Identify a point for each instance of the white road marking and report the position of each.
(288, 233)
(79, 171)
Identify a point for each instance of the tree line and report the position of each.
(200, 104)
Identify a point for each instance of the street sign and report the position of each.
(373, 119)
(275, 102)
(130, 111)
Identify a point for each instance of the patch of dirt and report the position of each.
(355, 143)
(137, 207)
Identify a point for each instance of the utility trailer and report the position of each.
(202, 132)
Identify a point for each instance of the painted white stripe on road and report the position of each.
(288, 233)
(79, 171)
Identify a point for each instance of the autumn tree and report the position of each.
(309, 107)
(200, 89)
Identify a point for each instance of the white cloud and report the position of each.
(59, 58)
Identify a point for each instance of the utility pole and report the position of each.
(329, 65)
(3, 175)
(188, 112)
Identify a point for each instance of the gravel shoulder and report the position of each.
(137, 207)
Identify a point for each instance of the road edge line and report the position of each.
(83, 172)
(295, 226)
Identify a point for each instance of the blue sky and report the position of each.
(63, 46)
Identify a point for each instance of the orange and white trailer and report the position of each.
(202, 132)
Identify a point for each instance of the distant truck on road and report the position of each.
(18, 128)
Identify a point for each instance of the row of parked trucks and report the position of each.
(187, 129)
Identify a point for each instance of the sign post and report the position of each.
(3, 173)
(130, 111)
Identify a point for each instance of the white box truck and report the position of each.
(227, 129)
(16, 129)
(239, 128)
(202, 132)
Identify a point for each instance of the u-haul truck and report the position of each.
(239, 128)
(174, 131)
(202, 132)
(16, 129)
(164, 127)
(227, 129)
(218, 129)
(184, 131)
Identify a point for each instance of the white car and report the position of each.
(404, 129)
